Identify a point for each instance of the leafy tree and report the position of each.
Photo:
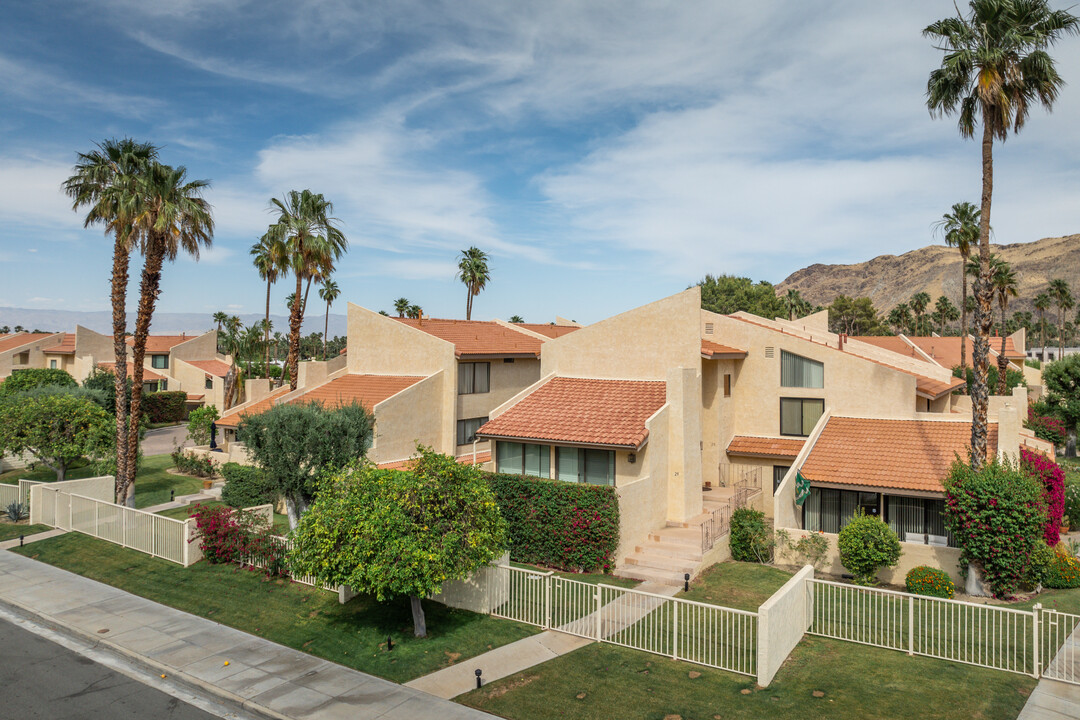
(726, 294)
(995, 67)
(1062, 382)
(328, 293)
(516, 319)
(312, 242)
(5, 330)
(900, 318)
(1004, 281)
(56, 428)
(401, 533)
(854, 316)
(795, 305)
(401, 306)
(36, 377)
(103, 383)
(945, 312)
(961, 231)
(751, 537)
(270, 260)
(473, 271)
(866, 545)
(297, 444)
(997, 515)
(199, 422)
(246, 486)
(106, 182)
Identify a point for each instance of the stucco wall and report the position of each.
(782, 622)
(912, 555)
(411, 416)
(193, 380)
(481, 592)
(642, 509)
(200, 347)
(507, 379)
(35, 358)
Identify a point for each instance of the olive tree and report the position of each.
(55, 428)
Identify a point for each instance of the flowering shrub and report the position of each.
(1072, 503)
(1052, 477)
(1063, 572)
(226, 535)
(1045, 427)
(925, 580)
(557, 524)
(192, 464)
(866, 545)
(997, 516)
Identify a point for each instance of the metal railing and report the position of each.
(730, 475)
(715, 527)
(146, 532)
(746, 482)
(1059, 648)
(285, 545)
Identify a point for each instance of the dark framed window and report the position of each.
(797, 371)
(778, 473)
(585, 465)
(918, 520)
(52, 364)
(159, 362)
(829, 510)
(466, 429)
(473, 378)
(727, 384)
(209, 383)
(798, 416)
(515, 458)
(150, 386)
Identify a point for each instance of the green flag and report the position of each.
(802, 488)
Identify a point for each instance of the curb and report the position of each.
(178, 676)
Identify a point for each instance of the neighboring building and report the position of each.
(946, 351)
(1050, 353)
(25, 350)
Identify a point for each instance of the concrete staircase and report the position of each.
(672, 551)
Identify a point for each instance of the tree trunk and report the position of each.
(295, 507)
(294, 334)
(983, 307)
(326, 329)
(119, 308)
(1042, 338)
(266, 334)
(1061, 332)
(468, 302)
(1002, 362)
(963, 312)
(418, 621)
(148, 292)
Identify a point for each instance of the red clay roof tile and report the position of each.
(10, 342)
(66, 346)
(478, 337)
(213, 367)
(162, 343)
(716, 351)
(765, 446)
(148, 374)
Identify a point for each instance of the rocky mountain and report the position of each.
(892, 279)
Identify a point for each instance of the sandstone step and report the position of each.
(672, 549)
(638, 572)
(683, 536)
(664, 564)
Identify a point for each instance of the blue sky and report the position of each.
(603, 153)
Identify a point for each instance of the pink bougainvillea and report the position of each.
(1053, 480)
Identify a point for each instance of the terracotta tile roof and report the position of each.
(368, 390)
(582, 410)
(481, 458)
(194, 398)
(477, 337)
(891, 454)
(66, 346)
(765, 446)
(944, 350)
(10, 342)
(162, 343)
(936, 388)
(716, 351)
(550, 330)
(147, 373)
(216, 368)
(893, 343)
(231, 418)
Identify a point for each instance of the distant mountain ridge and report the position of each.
(892, 279)
(164, 323)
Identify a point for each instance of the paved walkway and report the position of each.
(256, 674)
(32, 538)
(164, 440)
(1053, 699)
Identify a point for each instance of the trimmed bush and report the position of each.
(226, 535)
(192, 464)
(1063, 571)
(555, 524)
(1046, 428)
(246, 486)
(925, 580)
(1072, 503)
(199, 422)
(1052, 477)
(1042, 557)
(751, 536)
(866, 545)
(161, 407)
(32, 378)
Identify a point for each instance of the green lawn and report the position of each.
(298, 616)
(10, 531)
(743, 586)
(591, 578)
(152, 484)
(281, 522)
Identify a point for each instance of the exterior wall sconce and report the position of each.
(631, 458)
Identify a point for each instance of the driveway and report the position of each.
(163, 440)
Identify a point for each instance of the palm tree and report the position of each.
(944, 312)
(517, 319)
(1004, 280)
(328, 293)
(414, 312)
(995, 67)
(105, 181)
(5, 329)
(900, 317)
(793, 303)
(1063, 298)
(473, 271)
(961, 231)
(919, 302)
(172, 217)
(312, 243)
(401, 306)
(1042, 304)
(269, 259)
(219, 317)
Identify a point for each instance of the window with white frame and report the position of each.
(514, 458)
(800, 372)
(474, 377)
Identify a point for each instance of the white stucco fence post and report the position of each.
(782, 621)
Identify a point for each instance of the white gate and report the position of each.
(1060, 649)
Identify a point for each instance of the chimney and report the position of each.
(1009, 432)
(841, 341)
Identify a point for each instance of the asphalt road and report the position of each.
(164, 440)
(44, 680)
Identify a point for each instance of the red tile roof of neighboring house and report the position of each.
(66, 346)
(148, 374)
(582, 411)
(10, 342)
(162, 343)
(194, 398)
(477, 337)
(944, 350)
(368, 390)
(890, 454)
(213, 367)
(716, 351)
(765, 446)
(550, 330)
(894, 343)
(481, 458)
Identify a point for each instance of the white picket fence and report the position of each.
(701, 633)
(1060, 648)
(19, 493)
(286, 545)
(146, 532)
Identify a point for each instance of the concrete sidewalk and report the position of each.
(256, 674)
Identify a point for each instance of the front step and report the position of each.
(664, 564)
(678, 550)
(636, 572)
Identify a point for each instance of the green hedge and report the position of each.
(562, 525)
(750, 539)
(30, 378)
(164, 406)
(246, 486)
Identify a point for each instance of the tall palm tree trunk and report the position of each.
(1061, 332)
(468, 302)
(266, 334)
(119, 297)
(326, 329)
(1002, 362)
(963, 312)
(983, 309)
(294, 335)
(148, 292)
